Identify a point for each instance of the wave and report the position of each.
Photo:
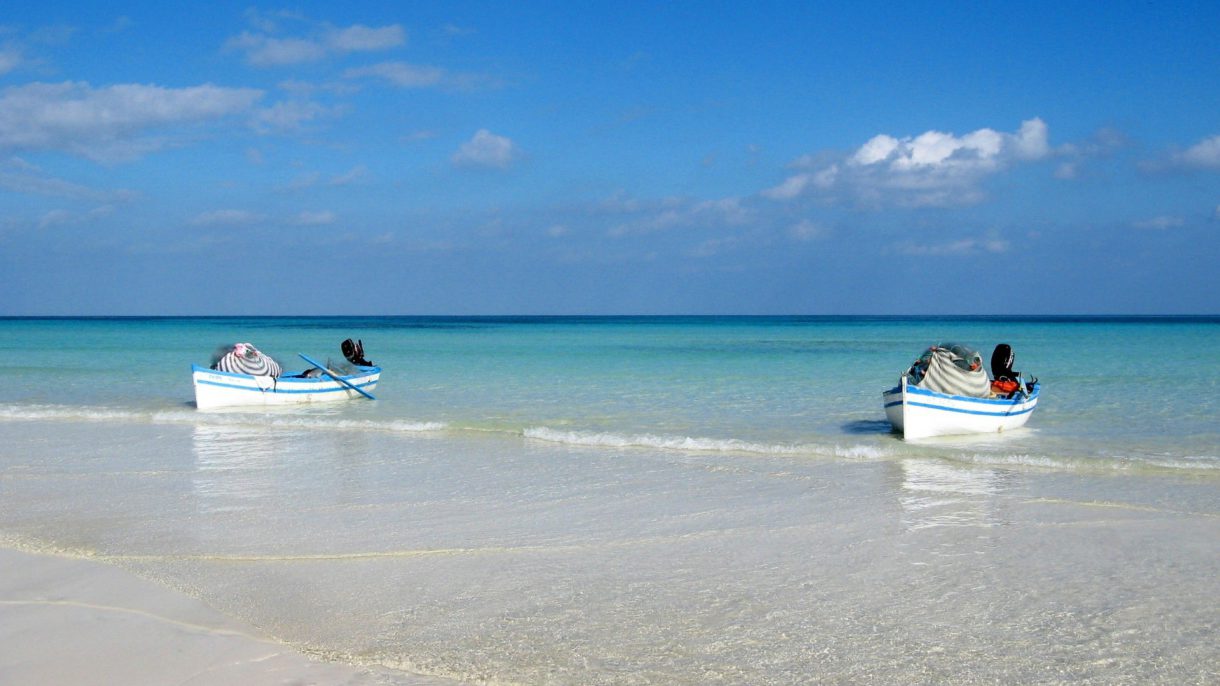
(982, 452)
(703, 444)
(1199, 464)
(260, 418)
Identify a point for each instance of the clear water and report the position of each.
(655, 500)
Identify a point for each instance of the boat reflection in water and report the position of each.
(937, 493)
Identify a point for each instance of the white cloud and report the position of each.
(931, 169)
(265, 51)
(805, 231)
(878, 149)
(291, 116)
(406, 75)
(1067, 170)
(109, 124)
(358, 38)
(792, 187)
(313, 179)
(958, 248)
(226, 218)
(352, 176)
(421, 135)
(486, 149)
(1161, 223)
(262, 49)
(400, 74)
(62, 217)
(19, 176)
(713, 246)
(1205, 153)
(1031, 142)
(10, 59)
(674, 213)
(56, 218)
(314, 218)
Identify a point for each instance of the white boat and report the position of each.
(921, 413)
(215, 388)
(227, 386)
(946, 392)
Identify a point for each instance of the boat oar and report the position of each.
(335, 376)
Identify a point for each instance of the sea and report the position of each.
(644, 500)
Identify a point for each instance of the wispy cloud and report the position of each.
(20, 49)
(406, 75)
(486, 150)
(958, 248)
(1161, 223)
(676, 213)
(267, 46)
(806, 230)
(353, 175)
(113, 123)
(1204, 155)
(10, 59)
(62, 217)
(318, 218)
(400, 74)
(358, 38)
(227, 218)
(19, 176)
(291, 116)
(314, 179)
(931, 169)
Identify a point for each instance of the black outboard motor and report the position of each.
(354, 352)
(1001, 364)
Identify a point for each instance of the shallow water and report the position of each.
(645, 501)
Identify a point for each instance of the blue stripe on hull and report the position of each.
(275, 388)
(934, 412)
(965, 411)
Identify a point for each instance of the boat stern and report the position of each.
(893, 401)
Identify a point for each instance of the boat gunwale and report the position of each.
(916, 390)
(285, 378)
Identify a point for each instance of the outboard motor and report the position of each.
(1001, 363)
(354, 352)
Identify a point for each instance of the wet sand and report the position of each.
(81, 622)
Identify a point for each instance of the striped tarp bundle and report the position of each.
(946, 375)
(244, 358)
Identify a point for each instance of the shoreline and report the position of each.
(74, 621)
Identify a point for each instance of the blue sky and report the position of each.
(590, 158)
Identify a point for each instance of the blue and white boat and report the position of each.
(946, 392)
(227, 383)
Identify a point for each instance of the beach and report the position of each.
(522, 505)
(71, 621)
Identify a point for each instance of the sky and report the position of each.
(609, 158)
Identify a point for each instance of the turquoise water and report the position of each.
(1117, 393)
(645, 500)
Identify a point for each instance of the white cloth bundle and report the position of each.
(944, 376)
(244, 358)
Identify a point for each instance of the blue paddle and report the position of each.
(335, 376)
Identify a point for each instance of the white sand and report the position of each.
(73, 621)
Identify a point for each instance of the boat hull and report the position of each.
(223, 389)
(920, 413)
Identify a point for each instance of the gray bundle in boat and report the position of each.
(956, 370)
(244, 358)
